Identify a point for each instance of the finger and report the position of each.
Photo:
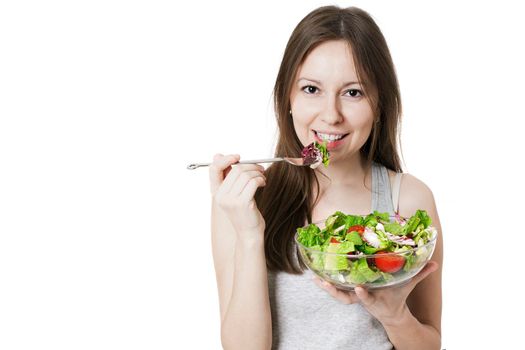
(344, 297)
(430, 267)
(248, 192)
(231, 179)
(243, 183)
(364, 296)
(219, 169)
(235, 188)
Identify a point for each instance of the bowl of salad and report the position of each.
(373, 251)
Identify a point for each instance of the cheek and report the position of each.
(302, 117)
(306, 110)
(362, 118)
(301, 126)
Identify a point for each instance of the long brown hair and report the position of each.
(286, 202)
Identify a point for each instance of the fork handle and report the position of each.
(253, 161)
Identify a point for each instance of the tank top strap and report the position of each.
(395, 191)
(382, 199)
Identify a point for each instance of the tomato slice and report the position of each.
(334, 240)
(389, 263)
(357, 228)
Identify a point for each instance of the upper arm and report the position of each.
(425, 301)
(223, 249)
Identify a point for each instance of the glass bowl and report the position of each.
(372, 271)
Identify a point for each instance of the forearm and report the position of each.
(407, 333)
(247, 322)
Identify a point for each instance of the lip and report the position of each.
(330, 145)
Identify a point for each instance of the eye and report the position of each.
(354, 92)
(310, 89)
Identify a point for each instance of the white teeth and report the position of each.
(329, 137)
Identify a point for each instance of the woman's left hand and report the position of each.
(386, 305)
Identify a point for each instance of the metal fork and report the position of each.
(293, 161)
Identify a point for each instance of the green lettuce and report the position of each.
(334, 262)
(361, 273)
(352, 220)
(324, 151)
(345, 247)
(354, 237)
(394, 228)
(317, 257)
(309, 236)
(419, 221)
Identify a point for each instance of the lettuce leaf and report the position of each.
(345, 247)
(360, 273)
(394, 228)
(410, 260)
(324, 151)
(352, 220)
(335, 220)
(335, 262)
(317, 258)
(354, 237)
(419, 221)
(309, 236)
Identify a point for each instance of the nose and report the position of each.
(331, 113)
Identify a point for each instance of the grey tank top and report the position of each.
(306, 317)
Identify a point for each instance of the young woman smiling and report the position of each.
(337, 84)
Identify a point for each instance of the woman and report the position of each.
(336, 84)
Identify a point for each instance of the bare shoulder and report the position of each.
(425, 301)
(414, 194)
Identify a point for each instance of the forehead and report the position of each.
(331, 61)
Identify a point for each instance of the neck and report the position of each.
(348, 171)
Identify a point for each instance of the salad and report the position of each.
(315, 153)
(373, 249)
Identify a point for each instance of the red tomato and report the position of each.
(334, 240)
(357, 228)
(389, 263)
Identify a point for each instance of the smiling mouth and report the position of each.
(329, 137)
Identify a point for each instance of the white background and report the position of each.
(104, 235)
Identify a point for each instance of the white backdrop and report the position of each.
(104, 235)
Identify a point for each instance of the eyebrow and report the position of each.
(318, 82)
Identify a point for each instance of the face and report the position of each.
(328, 102)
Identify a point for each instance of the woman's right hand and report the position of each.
(233, 190)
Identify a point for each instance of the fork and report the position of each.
(293, 161)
